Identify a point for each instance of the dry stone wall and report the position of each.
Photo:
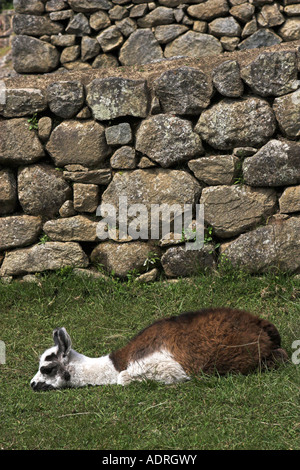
(224, 133)
(6, 28)
(83, 34)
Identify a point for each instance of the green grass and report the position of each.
(4, 50)
(7, 6)
(258, 411)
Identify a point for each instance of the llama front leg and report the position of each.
(159, 366)
(124, 378)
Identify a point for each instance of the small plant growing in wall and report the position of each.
(151, 260)
(44, 239)
(239, 181)
(208, 238)
(33, 122)
(188, 234)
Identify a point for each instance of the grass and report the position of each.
(4, 50)
(7, 6)
(258, 411)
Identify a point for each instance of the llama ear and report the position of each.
(62, 340)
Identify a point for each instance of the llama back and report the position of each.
(208, 340)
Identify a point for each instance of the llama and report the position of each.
(170, 350)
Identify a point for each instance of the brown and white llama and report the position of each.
(170, 350)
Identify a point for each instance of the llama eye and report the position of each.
(47, 370)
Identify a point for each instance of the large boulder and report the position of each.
(193, 44)
(167, 33)
(121, 259)
(33, 25)
(179, 262)
(168, 139)
(272, 73)
(171, 187)
(23, 102)
(18, 144)
(33, 7)
(43, 257)
(209, 10)
(90, 6)
(228, 27)
(102, 177)
(78, 142)
(114, 97)
(79, 228)
(42, 190)
(158, 16)
(261, 38)
(183, 90)
(273, 247)
(227, 79)
(31, 55)
(248, 122)
(140, 48)
(65, 98)
(276, 164)
(230, 210)
(19, 230)
(215, 169)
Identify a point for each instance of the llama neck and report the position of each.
(91, 371)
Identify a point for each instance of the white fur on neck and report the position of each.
(91, 371)
(159, 366)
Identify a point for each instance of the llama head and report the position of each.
(53, 368)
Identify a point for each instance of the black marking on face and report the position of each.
(55, 369)
(50, 369)
(67, 376)
(51, 357)
(41, 387)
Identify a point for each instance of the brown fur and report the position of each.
(209, 340)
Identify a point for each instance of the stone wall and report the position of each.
(224, 132)
(75, 34)
(6, 27)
